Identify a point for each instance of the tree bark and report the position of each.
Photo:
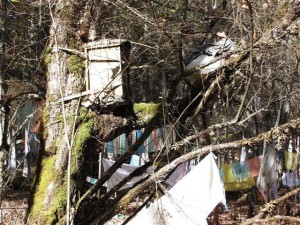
(50, 196)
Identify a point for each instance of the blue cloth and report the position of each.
(110, 147)
(141, 149)
(123, 143)
(240, 170)
(150, 145)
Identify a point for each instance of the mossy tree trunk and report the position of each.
(67, 125)
(63, 79)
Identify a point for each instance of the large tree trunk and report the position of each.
(50, 197)
(68, 125)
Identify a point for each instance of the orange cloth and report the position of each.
(253, 165)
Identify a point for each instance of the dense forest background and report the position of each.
(249, 101)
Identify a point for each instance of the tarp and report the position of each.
(189, 202)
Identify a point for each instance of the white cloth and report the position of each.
(121, 173)
(26, 167)
(189, 202)
(137, 160)
(12, 162)
(243, 154)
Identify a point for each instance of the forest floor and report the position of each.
(13, 207)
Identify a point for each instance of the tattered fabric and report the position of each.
(267, 178)
(121, 173)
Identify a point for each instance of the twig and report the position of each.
(72, 51)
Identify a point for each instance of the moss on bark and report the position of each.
(146, 111)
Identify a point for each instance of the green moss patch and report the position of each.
(146, 111)
(75, 65)
(46, 176)
(82, 136)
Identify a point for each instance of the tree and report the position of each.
(254, 93)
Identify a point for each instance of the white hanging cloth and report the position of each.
(189, 202)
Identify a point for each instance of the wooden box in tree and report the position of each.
(107, 70)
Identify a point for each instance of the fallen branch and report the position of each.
(276, 218)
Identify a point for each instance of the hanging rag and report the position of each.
(290, 160)
(180, 171)
(109, 147)
(31, 151)
(150, 145)
(27, 115)
(141, 149)
(226, 173)
(121, 173)
(169, 136)
(159, 139)
(253, 165)
(290, 180)
(267, 178)
(137, 161)
(189, 202)
(243, 154)
(233, 180)
(240, 171)
(26, 166)
(12, 161)
(123, 143)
